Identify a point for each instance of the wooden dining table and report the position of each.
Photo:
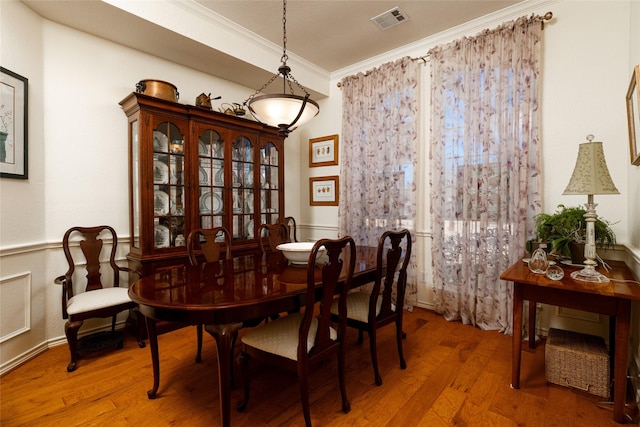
(224, 295)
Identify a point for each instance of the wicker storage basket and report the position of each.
(577, 360)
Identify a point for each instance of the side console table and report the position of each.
(612, 299)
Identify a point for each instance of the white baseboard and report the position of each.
(54, 342)
(23, 358)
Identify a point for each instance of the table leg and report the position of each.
(516, 340)
(155, 360)
(623, 322)
(223, 335)
(532, 324)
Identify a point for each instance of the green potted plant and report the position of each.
(565, 230)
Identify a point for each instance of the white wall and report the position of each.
(22, 206)
(633, 208)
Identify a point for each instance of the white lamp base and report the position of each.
(589, 275)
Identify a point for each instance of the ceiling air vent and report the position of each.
(390, 18)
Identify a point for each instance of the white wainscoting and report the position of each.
(15, 305)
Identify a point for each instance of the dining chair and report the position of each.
(209, 245)
(295, 341)
(291, 223)
(271, 235)
(96, 299)
(368, 311)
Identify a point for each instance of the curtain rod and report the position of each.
(546, 17)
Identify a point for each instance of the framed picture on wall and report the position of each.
(13, 125)
(633, 115)
(323, 191)
(323, 151)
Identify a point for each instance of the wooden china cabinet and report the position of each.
(191, 167)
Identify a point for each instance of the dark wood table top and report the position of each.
(244, 288)
(620, 286)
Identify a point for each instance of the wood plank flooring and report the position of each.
(456, 375)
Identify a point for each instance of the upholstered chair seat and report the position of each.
(281, 337)
(97, 299)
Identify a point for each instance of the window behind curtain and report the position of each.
(484, 167)
(378, 155)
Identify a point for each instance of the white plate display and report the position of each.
(203, 149)
(249, 229)
(249, 203)
(248, 178)
(236, 179)
(161, 236)
(175, 166)
(204, 178)
(160, 172)
(220, 177)
(160, 203)
(206, 201)
(160, 141)
(217, 203)
(217, 150)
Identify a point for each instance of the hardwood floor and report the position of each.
(456, 375)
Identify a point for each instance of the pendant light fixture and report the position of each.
(285, 110)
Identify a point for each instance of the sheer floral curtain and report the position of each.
(485, 168)
(378, 156)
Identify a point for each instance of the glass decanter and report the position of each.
(538, 262)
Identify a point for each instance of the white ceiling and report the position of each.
(328, 34)
(334, 34)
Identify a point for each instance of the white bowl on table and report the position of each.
(298, 252)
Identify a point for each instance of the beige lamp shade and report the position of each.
(591, 175)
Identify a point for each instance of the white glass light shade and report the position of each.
(280, 110)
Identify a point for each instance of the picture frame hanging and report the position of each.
(633, 115)
(323, 151)
(14, 90)
(324, 190)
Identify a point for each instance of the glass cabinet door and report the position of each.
(211, 179)
(269, 184)
(192, 168)
(168, 186)
(242, 193)
(134, 173)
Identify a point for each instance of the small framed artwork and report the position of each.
(13, 125)
(323, 151)
(633, 116)
(323, 191)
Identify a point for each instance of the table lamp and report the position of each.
(590, 176)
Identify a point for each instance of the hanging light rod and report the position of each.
(286, 111)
